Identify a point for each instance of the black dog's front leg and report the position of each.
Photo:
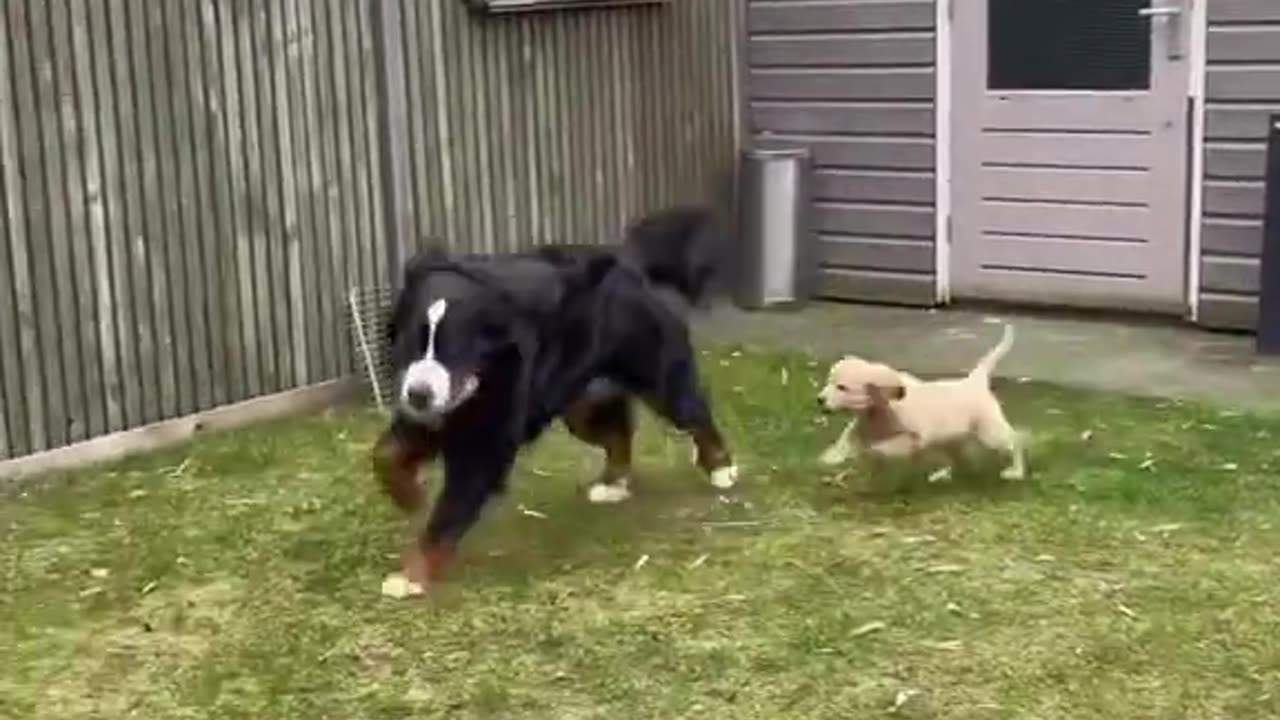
(470, 479)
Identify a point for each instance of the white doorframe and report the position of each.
(1198, 59)
(942, 152)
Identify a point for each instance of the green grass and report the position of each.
(1135, 575)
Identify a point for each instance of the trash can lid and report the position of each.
(777, 152)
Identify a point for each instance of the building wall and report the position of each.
(190, 188)
(1242, 89)
(855, 82)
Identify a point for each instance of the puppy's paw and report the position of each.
(725, 477)
(834, 455)
(609, 493)
(1013, 472)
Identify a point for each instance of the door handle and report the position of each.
(1172, 17)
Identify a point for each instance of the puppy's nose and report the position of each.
(419, 398)
(820, 401)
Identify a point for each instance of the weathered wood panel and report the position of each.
(563, 126)
(164, 244)
(189, 188)
(1242, 91)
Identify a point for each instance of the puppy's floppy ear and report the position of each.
(883, 394)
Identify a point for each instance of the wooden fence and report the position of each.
(190, 186)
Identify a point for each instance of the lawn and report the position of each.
(1134, 575)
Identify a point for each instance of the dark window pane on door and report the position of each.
(1068, 45)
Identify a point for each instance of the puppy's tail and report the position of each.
(988, 362)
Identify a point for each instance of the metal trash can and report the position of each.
(777, 257)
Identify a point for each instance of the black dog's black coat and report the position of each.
(541, 330)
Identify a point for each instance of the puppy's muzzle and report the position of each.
(823, 405)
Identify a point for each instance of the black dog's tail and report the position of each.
(678, 248)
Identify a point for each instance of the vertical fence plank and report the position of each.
(321, 299)
(412, 57)
(488, 172)
(462, 63)
(191, 327)
(395, 147)
(88, 404)
(257, 193)
(302, 309)
(290, 328)
(360, 165)
(169, 202)
(12, 403)
(21, 389)
(540, 178)
(191, 80)
(93, 260)
(72, 272)
(157, 192)
(349, 272)
(337, 233)
(272, 298)
(369, 107)
(137, 320)
(114, 298)
(519, 113)
(220, 239)
(41, 164)
(437, 100)
(237, 255)
(324, 163)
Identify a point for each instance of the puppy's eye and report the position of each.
(842, 388)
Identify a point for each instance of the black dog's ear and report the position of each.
(883, 394)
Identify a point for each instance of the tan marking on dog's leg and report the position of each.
(612, 486)
(397, 462)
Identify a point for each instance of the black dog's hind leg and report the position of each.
(471, 478)
(608, 424)
(681, 401)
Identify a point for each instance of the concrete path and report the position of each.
(1163, 360)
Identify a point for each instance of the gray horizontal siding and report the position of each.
(855, 83)
(1242, 90)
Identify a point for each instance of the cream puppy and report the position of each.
(899, 415)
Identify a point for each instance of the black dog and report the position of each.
(489, 351)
